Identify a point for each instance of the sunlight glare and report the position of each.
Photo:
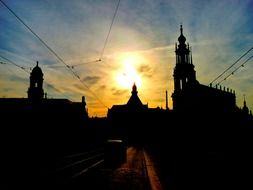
(128, 75)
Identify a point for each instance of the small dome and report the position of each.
(181, 38)
(37, 70)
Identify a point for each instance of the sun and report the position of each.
(128, 74)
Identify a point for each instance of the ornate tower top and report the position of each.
(184, 73)
(183, 52)
(181, 38)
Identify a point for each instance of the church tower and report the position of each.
(184, 73)
(35, 90)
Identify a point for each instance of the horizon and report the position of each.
(140, 48)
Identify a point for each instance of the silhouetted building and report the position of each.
(52, 110)
(189, 94)
(134, 119)
(134, 102)
(133, 106)
(35, 90)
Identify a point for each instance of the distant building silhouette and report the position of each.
(132, 120)
(35, 90)
(134, 101)
(189, 94)
(134, 105)
(52, 110)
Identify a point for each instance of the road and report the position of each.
(130, 175)
(137, 173)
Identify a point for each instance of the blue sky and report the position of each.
(141, 42)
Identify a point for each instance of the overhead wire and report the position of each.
(6, 67)
(79, 64)
(73, 66)
(54, 53)
(39, 38)
(233, 72)
(110, 28)
(231, 66)
(20, 67)
(4, 63)
(23, 68)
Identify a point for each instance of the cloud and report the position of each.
(7, 89)
(145, 70)
(18, 78)
(102, 87)
(91, 80)
(76, 87)
(51, 87)
(117, 92)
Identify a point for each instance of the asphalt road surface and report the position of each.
(130, 175)
(137, 173)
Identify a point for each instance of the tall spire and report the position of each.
(245, 109)
(181, 38)
(191, 56)
(244, 101)
(134, 89)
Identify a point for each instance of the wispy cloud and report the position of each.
(145, 70)
(117, 92)
(51, 87)
(91, 80)
(102, 87)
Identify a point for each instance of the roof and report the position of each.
(134, 101)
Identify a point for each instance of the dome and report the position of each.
(181, 38)
(37, 70)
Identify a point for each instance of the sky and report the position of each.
(140, 48)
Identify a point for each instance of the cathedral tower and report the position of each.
(184, 73)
